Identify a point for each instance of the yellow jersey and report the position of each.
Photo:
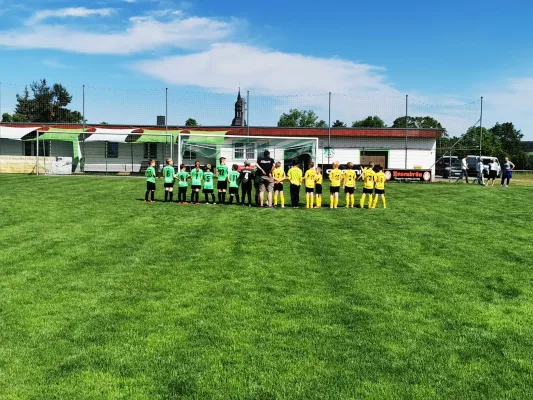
(380, 180)
(295, 175)
(278, 174)
(310, 178)
(349, 178)
(368, 178)
(335, 176)
(319, 179)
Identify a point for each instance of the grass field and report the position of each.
(105, 297)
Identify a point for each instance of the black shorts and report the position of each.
(493, 174)
(222, 185)
(368, 191)
(379, 191)
(208, 191)
(309, 190)
(168, 185)
(150, 186)
(334, 189)
(183, 189)
(233, 190)
(318, 189)
(278, 187)
(349, 190)
(196, 187)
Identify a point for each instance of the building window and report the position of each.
(239, 151)
(30, 148)
(250, 151)
(150, 150)
(111, 150)
(189, 155)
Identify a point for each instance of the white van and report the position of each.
(472, 165)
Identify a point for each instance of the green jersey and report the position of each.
(234, 179)
(168, 174)
(197, 176)
(150, 174)
(208, 180)
(182, 178)
(222, 171)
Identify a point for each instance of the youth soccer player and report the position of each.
(380, 180)
(208, 184)
(246, 178)
(368, 186)
(295, 177)
(234, 177)
(349, 178)
(310, 182)
(150, 182)
(183, 175)
(318, 187)
(169, 174)
(335, 177)
(196, 183)
(222, 185)
(279, 177)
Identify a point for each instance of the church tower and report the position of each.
(240, 107)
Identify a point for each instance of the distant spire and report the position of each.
(239, 96)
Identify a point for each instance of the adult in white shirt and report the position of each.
(494, 168)
(464, 170)
(480, 169)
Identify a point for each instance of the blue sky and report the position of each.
(370, 54)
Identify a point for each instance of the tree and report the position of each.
(191, 122)
(510, 138)
(370, 122)
(301, 119)
(339, 124)
(6, 117)
(419, 123)
(46, 104)
(103, 123)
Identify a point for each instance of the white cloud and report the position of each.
(142, 34)
(55, 64)
(79, 12)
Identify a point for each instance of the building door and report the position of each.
(377, 157)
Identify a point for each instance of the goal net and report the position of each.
(209, 148)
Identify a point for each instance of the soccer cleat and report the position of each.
(146, 201)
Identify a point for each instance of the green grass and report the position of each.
(105, 297)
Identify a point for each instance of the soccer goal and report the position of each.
(209, 148)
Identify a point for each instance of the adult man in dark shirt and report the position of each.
(265, 166)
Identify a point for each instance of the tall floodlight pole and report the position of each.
(166, 123)
(406, 126)
(248, 110)
(481, 127)
(329, 127)
(83, 108)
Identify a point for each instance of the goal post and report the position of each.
(209, 148)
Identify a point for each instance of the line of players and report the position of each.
(373, 183)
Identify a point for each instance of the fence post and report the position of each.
(248, 110)
(37, 154)
(83, 108)
(481, 127)
(406, 126)
(166, 122)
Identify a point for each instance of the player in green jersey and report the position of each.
(169, 174)
(209, 178)
(234, 180)
(222, 173)
(196, 183)
(183, 175)
(150, 182)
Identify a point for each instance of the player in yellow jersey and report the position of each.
(295, 177)
(368, 187)
(380, 180)
(310, 182)
(335, 177)
(318, 187)
(279, 176)
(349, 177)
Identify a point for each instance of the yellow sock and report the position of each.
(352, 200)
(347, 200)
(331, 201)
(384, 201)
(375, 201)
(282, 200)
(318, 201)
(275, 199)
(369, 201)
(362, 201)
(336, 202)
(312, 201)
(306, 201)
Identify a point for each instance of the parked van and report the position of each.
(472, 165)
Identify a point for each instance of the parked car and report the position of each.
(445, 162)
(453, 170)
(472, 165)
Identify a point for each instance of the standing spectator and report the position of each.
(493, 171)
(464, 170)
(480, 169)
(265, 166)
(508, 166)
